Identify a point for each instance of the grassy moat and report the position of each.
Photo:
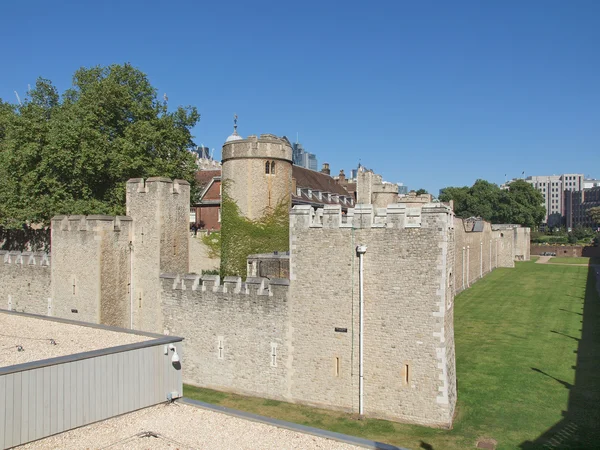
(528, 368)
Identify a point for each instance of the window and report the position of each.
(267, 166)
(273, 355)
(220, 348)
(272, 167)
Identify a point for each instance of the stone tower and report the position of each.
(257, 172)
(160, 212)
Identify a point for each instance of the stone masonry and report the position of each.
(249, 183)
(159, 209)
(300, 343)
(294, 340)
(24, 282)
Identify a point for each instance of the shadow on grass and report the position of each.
(580, 426)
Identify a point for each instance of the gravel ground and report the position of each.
(178, 426)
(34, 336)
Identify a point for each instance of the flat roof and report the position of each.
(177, 425)
(25, 338)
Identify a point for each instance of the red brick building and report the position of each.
(308, 188)
(206, 211)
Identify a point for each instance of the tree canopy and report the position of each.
(594, 213)
(520, 204)
(73, 153)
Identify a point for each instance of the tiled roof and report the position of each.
(203, 177)
(317, 181)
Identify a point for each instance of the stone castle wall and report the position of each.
(300, 343)
(294, 340)
(245, 178)
(25, 282)
(159, 208)
(371, 189)
(479, 251)
(406, 298)
(90, 268)
(235, 333)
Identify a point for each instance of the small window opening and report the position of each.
(405, 374)
(337, 366)
(267, 165)
(272, 167)
(273, 355)
(220, 348)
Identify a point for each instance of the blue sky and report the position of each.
(427, 93)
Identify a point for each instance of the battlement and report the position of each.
(266, 146)
(396, 215)
(274, 287)
(25, 258)
(151, 185)
(90, 223)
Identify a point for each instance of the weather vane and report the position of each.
(235, 124)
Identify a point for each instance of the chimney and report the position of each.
(325, 169)
(342, 176)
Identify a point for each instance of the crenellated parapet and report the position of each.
(25, 258)
(363, 216)
(273, 287)
(90, 223)
(153, 184)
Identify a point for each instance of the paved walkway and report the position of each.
(546, 259)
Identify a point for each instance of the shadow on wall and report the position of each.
(25, 239)
(580, 426)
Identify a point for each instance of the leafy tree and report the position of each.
(459, 196)
(72, 154)
(520, 204)
(594, 213)
(421, 191)
(526, 204)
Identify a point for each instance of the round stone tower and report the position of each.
(257, 172)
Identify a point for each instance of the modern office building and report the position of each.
(577, 205)
(589, 183)
(553, 187)
(302, 158)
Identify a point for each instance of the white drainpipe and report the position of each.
(131, 293)
(360, 250)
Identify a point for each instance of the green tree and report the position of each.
(421, 191)
(526, 205)
(459, 196)
(594, 213)
(73, 154)
(520, 204)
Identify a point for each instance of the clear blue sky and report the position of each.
(427, 93)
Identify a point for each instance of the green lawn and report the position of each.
(517, 335)
(574, 260)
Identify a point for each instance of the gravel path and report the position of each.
(178, 426)
(34, 336)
